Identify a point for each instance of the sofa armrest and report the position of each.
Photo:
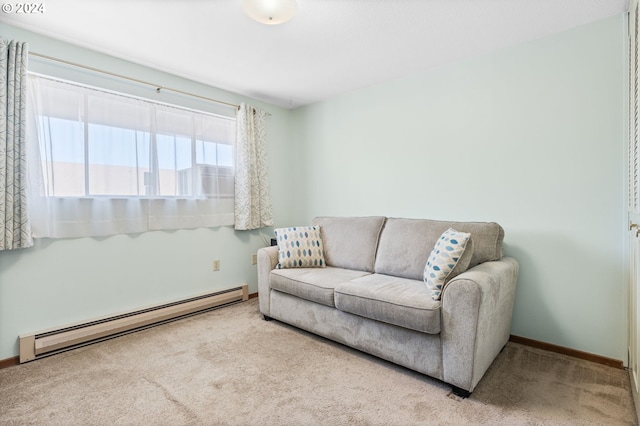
(267, 261)
(477, 307)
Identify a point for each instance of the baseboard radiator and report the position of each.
(49, 342)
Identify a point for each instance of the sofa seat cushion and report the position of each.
(399, 301)
(314, 284)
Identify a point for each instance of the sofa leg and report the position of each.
(460, 392)
(266, 318)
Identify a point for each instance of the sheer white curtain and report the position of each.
(107, 163)
(253, 207)
(15, 231)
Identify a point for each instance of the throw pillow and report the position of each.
(300, 247)
(445, 256)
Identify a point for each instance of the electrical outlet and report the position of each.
(216, 265)
(254, 259)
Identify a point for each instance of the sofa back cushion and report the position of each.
(350, 242)
(405, 244)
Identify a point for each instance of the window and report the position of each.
(95, 146)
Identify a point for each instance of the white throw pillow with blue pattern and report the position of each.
(444, 257)
(300, 247)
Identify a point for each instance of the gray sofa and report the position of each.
(371, 295)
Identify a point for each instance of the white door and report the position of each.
(634, 201)
(634, 303)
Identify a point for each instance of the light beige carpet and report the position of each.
(231, 367)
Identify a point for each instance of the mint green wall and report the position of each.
(531, 137)
(63, 281)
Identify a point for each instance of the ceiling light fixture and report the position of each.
(270, 12)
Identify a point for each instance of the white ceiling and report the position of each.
(330, 47)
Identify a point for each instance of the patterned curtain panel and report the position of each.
(252, 190)
(15, 230)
